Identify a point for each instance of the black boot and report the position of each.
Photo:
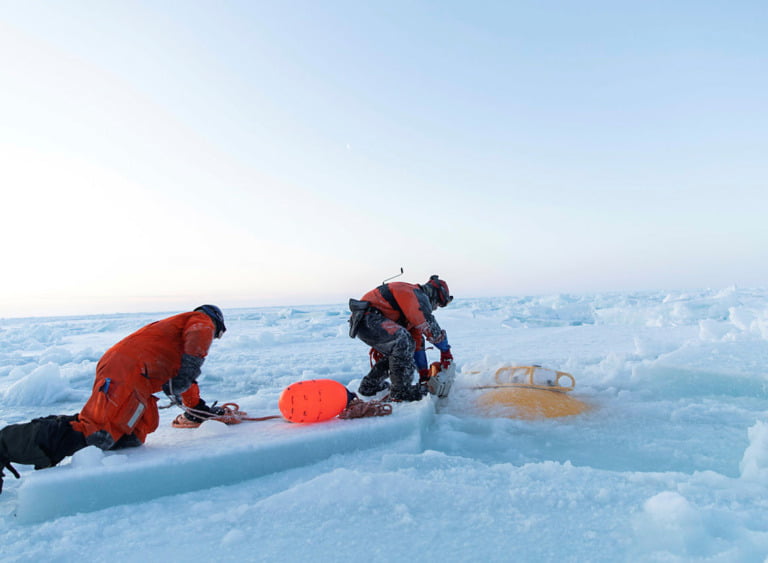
(407, 393)
(375, 381)
(401, 368)
(403, 390)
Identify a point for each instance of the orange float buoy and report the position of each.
(530, 403)
(530, 392)
(313, 400)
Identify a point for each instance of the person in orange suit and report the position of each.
(395, 319)
(163, 356)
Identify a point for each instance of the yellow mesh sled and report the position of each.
(530, 392)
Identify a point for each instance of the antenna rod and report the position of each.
(393, 277)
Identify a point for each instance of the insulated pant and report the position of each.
(396, 343)
(42, 442)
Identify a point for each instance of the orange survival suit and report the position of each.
(163, 356)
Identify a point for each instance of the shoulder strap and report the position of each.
(386, 293)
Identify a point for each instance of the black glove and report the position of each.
(216, 411)
(201, 412)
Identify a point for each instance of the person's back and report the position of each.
(152, 355)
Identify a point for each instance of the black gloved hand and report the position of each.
(202, 411)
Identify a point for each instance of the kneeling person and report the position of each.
(163, 356)
(394, 320)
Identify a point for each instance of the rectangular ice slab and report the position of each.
(175, 461)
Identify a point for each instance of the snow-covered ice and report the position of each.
(671, 464)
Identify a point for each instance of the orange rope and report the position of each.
(232, 414)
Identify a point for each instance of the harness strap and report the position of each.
(386, 293)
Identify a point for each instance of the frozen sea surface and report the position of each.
(670, 464)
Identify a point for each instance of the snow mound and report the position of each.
(44, 386)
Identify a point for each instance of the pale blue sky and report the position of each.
(154, 155)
